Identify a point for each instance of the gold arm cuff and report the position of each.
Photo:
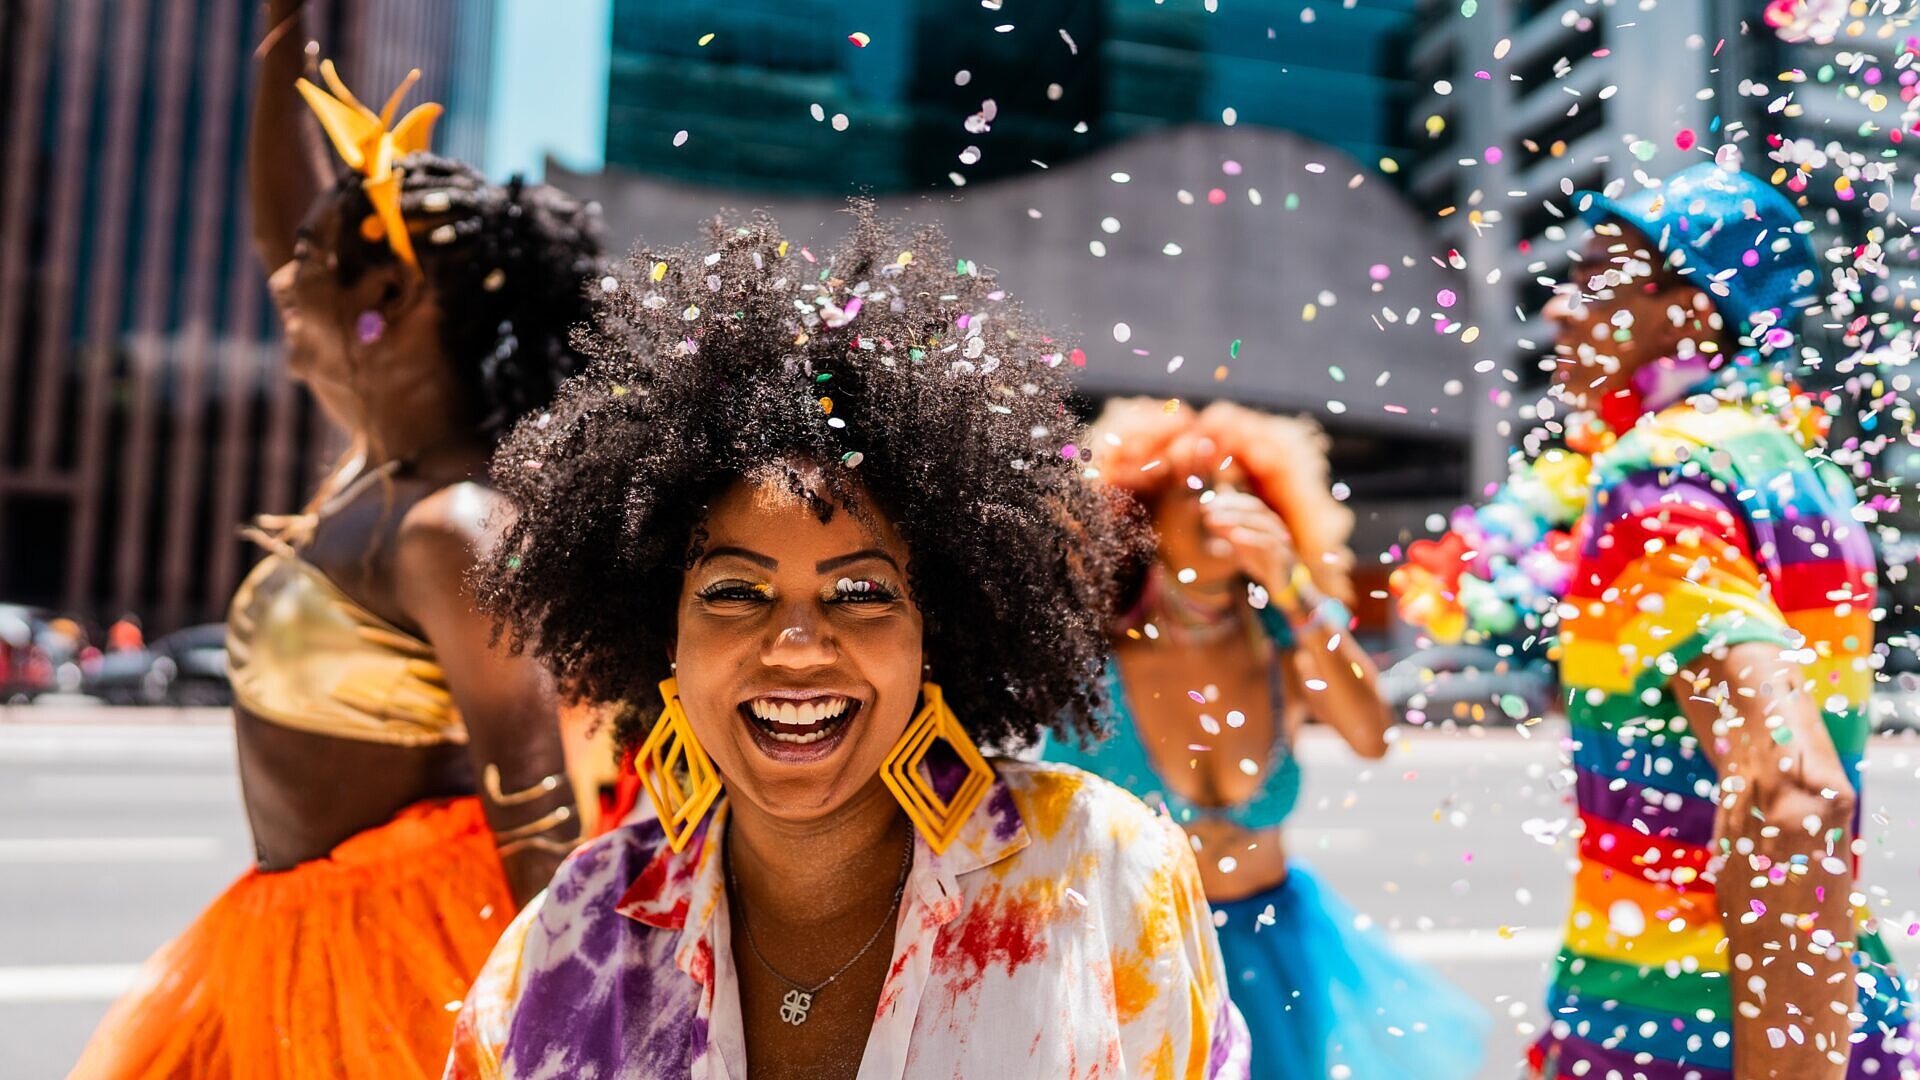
(538, 843)
(543, 786)
(559, 815)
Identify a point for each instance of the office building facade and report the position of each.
(144, 410)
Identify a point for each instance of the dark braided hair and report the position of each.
(948, 414)
(512, 267)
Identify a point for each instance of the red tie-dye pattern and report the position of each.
(997, 930)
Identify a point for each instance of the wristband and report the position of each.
(1329, 614)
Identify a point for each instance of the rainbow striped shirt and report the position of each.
(1704, 529)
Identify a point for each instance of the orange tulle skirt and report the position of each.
(349, 966)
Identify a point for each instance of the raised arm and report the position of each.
(1785, 832)
(507, 701)
(287, 159)
(1341, 682)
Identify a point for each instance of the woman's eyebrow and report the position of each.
(838, 561)
(741, 553)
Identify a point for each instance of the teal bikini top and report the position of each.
(1122, 758)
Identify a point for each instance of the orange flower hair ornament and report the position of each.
(370, 143)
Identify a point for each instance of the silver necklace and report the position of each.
(799, 999)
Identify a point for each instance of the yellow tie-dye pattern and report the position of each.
(1045, 804)
(1159, 1064)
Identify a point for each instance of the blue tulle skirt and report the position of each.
(1323, 998)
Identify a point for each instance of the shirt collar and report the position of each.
(680, 890)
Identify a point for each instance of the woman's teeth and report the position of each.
(812, 713)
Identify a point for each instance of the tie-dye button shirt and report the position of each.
(1063, 934)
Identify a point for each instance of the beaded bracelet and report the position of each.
(1329, 614)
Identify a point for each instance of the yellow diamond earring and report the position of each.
(938, 819)
(669, 750)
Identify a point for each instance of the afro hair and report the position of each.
(913, 386)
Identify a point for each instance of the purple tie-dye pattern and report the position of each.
(1230, 1053)
(1005, 815)
(601, 993)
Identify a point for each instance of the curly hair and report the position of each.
(1142, 446)
(914, 387)
(511, 266)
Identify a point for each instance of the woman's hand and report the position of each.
(1262, 545)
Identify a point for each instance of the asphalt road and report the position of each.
(116, 828)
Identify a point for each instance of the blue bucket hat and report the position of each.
(1728, 232)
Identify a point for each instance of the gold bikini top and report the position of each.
(303, 655)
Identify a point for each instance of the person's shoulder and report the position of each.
(1707, 456)
(1070, 813)
(455, 518)
(601, 871)
(1722, 442)
(439, 538)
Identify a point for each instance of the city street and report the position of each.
(117, 827)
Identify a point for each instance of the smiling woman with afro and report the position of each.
(821, 523)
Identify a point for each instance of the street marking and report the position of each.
(109, 849)
(148, 745)
(220, 789)
(1321, 840)
(1417, 748)
(65, 982)
(1476, 946)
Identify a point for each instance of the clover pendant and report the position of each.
(793, 1007)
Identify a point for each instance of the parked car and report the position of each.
(185, 668)
(25, 670)
(1469, 684)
